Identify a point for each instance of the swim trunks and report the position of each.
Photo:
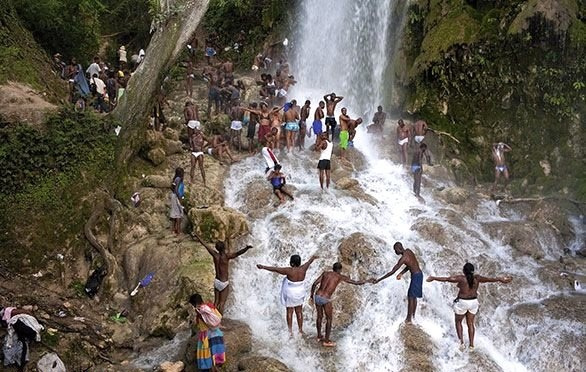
(344, 136)
(197, 154)
(323, 164)
(415, 168)
(462, 306)
(416, 285)
(320, 300)
(317, 127)
(220, 285)
(419, 139)
(236, 125)
(501, 168)
(403, 141)
(211, 151)
(331, 123)
(210, 52)
(194, 124)
(292, 126)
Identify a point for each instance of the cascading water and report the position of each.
(343, 46)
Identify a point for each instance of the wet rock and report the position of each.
(171, 367)
(173, 147)
(258, 198)
(526, 238)
(260, 363)
(454, 195)
(550, 212)
(157, 181)
(438, 172)
(339, 173)
(171, 134)
(418, 351)
(156, 156)
(431, 230)
(346, 183)
(218, 223)
(199, 196)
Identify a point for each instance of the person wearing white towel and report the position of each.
(293, 288)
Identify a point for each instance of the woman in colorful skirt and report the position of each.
(211, 352)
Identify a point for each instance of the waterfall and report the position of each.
(346, 46)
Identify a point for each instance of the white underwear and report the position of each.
(220, 285)
(419, 139)
(404, 141)
(236, 125)
(197, 154)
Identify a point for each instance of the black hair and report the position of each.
(307, 102)
(277, 167)
(254, 105)
(469, 273)
(397, 245)
(220, 246)
(295, 260)
(179, 172)
(195, 299)
(293, 102)
(337, 267)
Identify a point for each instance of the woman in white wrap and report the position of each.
(293, 289)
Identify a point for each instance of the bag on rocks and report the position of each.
(50, 363)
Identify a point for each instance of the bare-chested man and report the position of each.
(303, 124)
(222, 266)
(197, 142)
(292, 289)
(190, 113)
(291, 117)
(214, 96)
(403, 135)
(220, 147)
(317, 125)
(498, 155)
(276, 121)
(227, 69)
(344, 135)
(331, 100)
(466, 304)
(378, 121)
(328, 282)
(236, 115)
(417, 167)
(416, 286)
(352, 124)
(421, 128)
(189, 76)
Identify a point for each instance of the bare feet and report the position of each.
(329, 343)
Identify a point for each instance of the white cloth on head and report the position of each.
(292, 293)
(220, 285)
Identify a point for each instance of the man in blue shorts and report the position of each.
(416, 286)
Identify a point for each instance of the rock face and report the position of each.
(218, 223)
(259, 363)
(156, 156)
(418, 349)
(527, 238)
(454, 195)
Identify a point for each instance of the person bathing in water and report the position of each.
(222, 266)
(498, 155)
(331, 100)
(328, 282)
(292, 288)
(416, 286)
(417, 167)
(278, 182)
(466, 304)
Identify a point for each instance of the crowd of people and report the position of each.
(102, 83)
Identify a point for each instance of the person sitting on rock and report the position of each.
(328, 282)
(292, 288)
(278, 182)
(219, 147)
(466, 304)
(221, 265)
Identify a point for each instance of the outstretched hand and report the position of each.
(259, 266)
(506, 279)
(372, 281)
(429, 279)
(248, 246)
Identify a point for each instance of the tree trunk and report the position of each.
(173, 31)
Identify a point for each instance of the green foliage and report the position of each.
(78, 288)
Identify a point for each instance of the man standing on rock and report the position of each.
(190, 113)
(291, 116)
(236, 115)
(222, 267)
(292, 288)
(416, 286)
(197, 142)
(328, 282)
(344, 135)
(324, 163)
(417, 167)
(498, 155)
(378, 121)
(317, 124)
(420, 131)
(331, 100)
(303, 124)
(403, 135)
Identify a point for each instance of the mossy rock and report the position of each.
(218, 223)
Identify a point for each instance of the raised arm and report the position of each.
(326, 97)
(278, 270)
(338, 99)
(305, 266)
(502, 279)
(240, 252)
(450, 279)
(210, 251)
(507, 147)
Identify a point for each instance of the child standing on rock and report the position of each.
(177, 193)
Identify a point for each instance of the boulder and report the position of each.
(218, 124)
(418, 350)
(156, 156)
(172, 367)
(218, 223)
(527, 238)
(454, 195)
(346, 183)
(338, 173)
(198, 196)
(550, 212)
(157, 181)
(255, 363)
(257, 198)
(171, 134)
(173, 147)
(431, 231)
(153, 139)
